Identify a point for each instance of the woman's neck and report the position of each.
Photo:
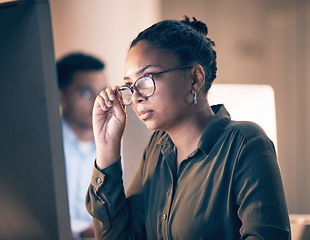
(186, 137)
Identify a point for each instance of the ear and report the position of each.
(198, 77)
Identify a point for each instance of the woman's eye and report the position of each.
(128, 84)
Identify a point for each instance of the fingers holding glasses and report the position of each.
(102, 100)
(106, 98)
(109, 98)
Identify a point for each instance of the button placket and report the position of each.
(169, 156)
(166, 213)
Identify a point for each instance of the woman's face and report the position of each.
(170, 107)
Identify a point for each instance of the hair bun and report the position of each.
(197, 25)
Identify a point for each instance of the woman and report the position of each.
(202, 175)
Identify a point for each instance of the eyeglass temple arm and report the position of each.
(172, 69)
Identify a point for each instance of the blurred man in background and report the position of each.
(80, 79)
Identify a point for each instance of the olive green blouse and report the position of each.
(230, 187)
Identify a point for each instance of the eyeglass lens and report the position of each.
(144, 86)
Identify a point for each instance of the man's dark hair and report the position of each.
(75, 62)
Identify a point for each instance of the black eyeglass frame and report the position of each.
(151, 76)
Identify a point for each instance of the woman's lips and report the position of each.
(144, 115)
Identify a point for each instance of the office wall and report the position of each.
(101, 27)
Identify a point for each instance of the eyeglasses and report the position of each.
(144, 86)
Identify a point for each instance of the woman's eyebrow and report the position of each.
(145, 68)
(142, 70)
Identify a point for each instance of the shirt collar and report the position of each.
(211, 133)
(214, 129)
(166, 142)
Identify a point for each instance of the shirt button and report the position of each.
(165, 216)
(98, 180)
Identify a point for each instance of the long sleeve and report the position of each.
(259, 192)
(114, 216)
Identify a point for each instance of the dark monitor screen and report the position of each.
(33, 195)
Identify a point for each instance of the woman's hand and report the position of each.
(109, 119)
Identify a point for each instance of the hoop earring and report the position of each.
(195, 97)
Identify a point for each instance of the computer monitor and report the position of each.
(33, 195)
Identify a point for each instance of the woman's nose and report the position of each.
(136, 97)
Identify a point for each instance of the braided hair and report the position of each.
(187, 40)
